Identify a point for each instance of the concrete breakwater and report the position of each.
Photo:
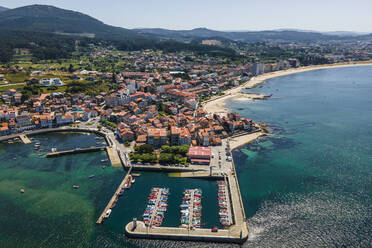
(75, 151)
(174, 233)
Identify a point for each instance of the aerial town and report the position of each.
(159, 108)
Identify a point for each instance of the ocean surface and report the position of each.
(308, 184)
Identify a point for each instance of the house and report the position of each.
(23, 120)
(46, 121)
(203, 137)
(126, 135)
(180, 136)
(4, 129)
(157, 136)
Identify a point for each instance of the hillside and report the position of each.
(51, 33)
(3, 9)
(44, 18)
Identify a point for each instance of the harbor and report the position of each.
(231, 211)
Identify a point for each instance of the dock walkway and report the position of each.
(156, 206)
(114, 197)
(191, 208)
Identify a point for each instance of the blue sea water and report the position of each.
(307, 184)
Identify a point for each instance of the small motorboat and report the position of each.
(75, 186)
(91, 176)
(22, 191)
(54, 149)
(108, 212)
(103, 166)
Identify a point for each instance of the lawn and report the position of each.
(16, 77)
(7, 87)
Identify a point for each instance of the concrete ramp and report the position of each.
(25, 139)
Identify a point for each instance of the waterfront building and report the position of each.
(258, 68)
(199, 155)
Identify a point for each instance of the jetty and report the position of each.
(75, 151)
(115, 196)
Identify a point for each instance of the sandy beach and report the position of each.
(217, 104)
(244, 139)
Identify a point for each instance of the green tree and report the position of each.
(71, 68)
(146, 148)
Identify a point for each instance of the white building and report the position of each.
(50, 82)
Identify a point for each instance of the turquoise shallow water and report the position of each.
(52, 214)
(306, 185)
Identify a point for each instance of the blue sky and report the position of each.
(320, 15)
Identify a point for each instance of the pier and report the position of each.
(114, 197)
(191, 214)
(155, 211)
(75, 151)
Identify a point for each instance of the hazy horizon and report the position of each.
(317, 15)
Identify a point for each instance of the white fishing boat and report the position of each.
(108, 212)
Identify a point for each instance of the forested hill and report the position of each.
(44, 18)
(51, 33)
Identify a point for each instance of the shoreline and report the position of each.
(236, 142)
(218, 104)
